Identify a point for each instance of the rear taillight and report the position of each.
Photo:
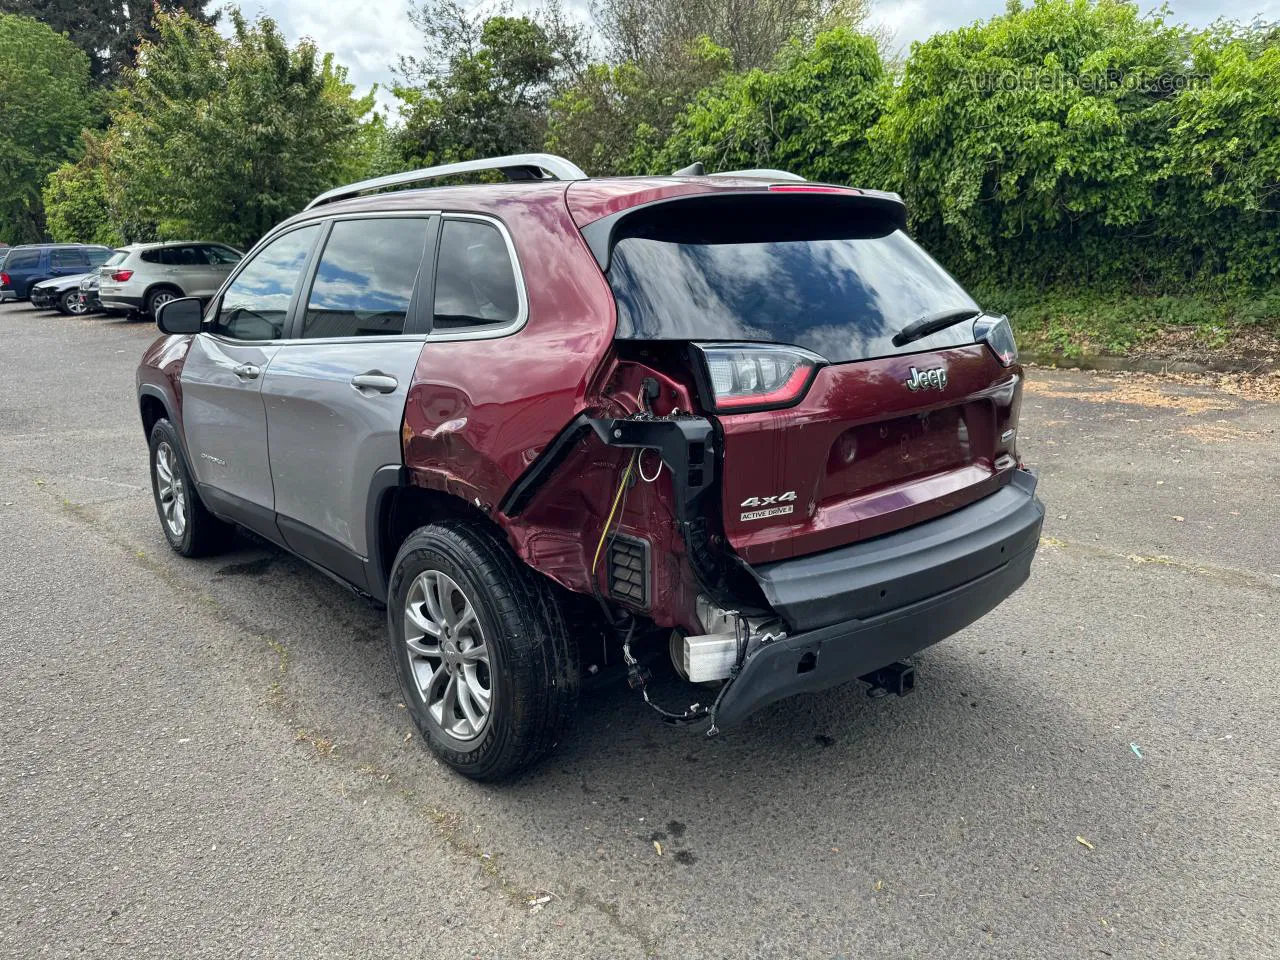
(996, 333)
(764, 376)
(4, 280)
(121, 276)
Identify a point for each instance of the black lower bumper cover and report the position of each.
(861, 607)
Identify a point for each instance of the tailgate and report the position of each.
(863, 455)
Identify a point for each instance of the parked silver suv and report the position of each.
(145, 276)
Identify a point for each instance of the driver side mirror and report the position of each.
(180, 316)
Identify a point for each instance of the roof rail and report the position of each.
(519, 166)
(764, 173)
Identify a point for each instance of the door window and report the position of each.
(475, 279)
(365, 279)
(62, 259)
(221, 255)
(256, 304)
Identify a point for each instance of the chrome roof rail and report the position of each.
(520, 166)
(764, 173)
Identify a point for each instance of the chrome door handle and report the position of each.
(247, 371)
(375, 380)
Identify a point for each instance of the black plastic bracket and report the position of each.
(686, 445)
(897, 679)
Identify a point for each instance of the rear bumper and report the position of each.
(118, 301)
(862, 607)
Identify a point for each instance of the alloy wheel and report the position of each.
(448, 655)
(170, 490)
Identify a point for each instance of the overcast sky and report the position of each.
(368, 35)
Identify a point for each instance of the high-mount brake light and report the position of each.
(121, 276)
(763, 376)
(809, 188)
(997, 334)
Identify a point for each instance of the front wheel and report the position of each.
(190, 528)
(71, 304)
(486, 666)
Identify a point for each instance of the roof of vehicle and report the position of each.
(159, 244)
(41, 246)
(540, 177)
(588, 200)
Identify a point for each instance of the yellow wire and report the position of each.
(626, 475)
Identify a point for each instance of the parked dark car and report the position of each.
(563, 427)
(27, 265)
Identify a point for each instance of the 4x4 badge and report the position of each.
(932, 379)
(768, 503)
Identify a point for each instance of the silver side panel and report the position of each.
(327, 437)
(224, 419)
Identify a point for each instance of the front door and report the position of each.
(223, 416)
(335, 393)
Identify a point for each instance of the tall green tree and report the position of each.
(615, 118)
(222, 138)
(44, 90)
(483, 84)
(108, 31)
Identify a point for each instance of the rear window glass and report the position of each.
(841, 289)
(119, 256)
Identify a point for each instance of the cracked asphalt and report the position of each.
(209, 759)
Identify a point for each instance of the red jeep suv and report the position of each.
(565, 428)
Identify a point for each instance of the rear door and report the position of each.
(223, 416)
(853, 434)
(335, 393)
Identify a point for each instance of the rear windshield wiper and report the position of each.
(933, 322)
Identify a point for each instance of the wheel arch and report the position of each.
(396, 508)
(160, 285)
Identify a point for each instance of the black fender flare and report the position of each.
(386, 480)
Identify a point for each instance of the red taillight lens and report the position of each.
(761, 376)
(120, 276)
(4, 280)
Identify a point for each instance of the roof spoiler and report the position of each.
(603, 233)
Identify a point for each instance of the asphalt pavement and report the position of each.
(210, 759)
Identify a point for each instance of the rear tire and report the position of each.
(190, 529)
(158, 298)
(463, 610)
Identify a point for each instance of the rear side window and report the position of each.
(365, 279)
(826, 279)
(61, 258)
(475, 279)
(256, 304)
(22, 259)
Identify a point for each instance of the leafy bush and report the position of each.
(810, 114)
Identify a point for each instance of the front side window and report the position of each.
(475, 279)
(365, 278)
(218, 254)
(256, 304)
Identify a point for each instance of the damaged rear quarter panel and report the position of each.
(479, 412)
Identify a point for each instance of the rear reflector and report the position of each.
(762, 376)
